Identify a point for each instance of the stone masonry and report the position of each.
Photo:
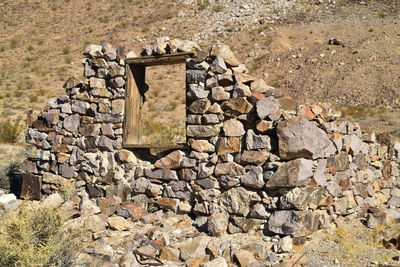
(256, 160)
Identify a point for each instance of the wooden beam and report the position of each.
(135, 77)
(167, 59)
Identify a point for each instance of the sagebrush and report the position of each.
(37, 235)
(10, 130)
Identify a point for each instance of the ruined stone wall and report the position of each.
(256, 159)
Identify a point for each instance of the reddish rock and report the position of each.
(31, 187)
(137, 211)
(252, 157)
(228, 145)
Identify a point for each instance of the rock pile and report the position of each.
(257, 162)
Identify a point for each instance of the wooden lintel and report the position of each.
(167, 59)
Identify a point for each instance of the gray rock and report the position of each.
(394, 202)
(299, 137)
(80, 107)
(140, 185)
(71, 123)
(238, 200)
(161, 174)
(267, 107)
(291, 174)
(197, 92)
(88, 71)
(195, 76)
(199, 106)
(105, 144)
(254, 141)
(203, 130)
(108, 118)
(210, 119)
(258, 211)
(218, 65)
(66, 170)
(205, 170)
(302, 198)
(294, 223)
(253, 178)
(117, 82)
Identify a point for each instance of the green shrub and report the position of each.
(10, 130)
(157, 133)
(37, 235)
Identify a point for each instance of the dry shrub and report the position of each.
(10, 130)
(37, 235)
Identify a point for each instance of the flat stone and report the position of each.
(161, 174)
(233, 128)
(300, 137)
(291, 174)
(294, 223)
(203, 130)
(196, 76)
(252, 157)
(197, 92)
(118, 223)
(93, 50)
(97, 83)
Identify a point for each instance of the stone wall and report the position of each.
(257, 160)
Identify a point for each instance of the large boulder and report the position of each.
(301, 138)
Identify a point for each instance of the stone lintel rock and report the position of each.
(161, 174)
(302, 198)
(291, 174)
(238, 200)
(171, 161)
(225, 53)
(294, 223)
(300, 137)
(203, 130)
(233, 128)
